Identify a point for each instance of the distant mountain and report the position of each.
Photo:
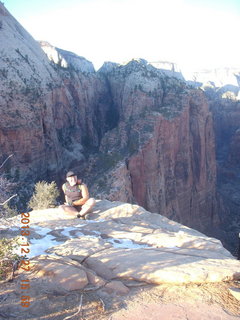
(66, 59)
(219, 76)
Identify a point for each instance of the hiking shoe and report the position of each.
(81, 217)
(85, 217)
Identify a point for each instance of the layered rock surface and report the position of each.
(121, 242)
(161, 155)
(226, 123)
(123, 263)
(134, 132)
(48, 110)
(66, 59)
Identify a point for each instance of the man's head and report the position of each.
(71, 177)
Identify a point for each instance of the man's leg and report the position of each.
(87, 207)
(71, 211)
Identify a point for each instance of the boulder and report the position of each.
(116, 287)
(60, 271)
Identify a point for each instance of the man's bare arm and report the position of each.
(66, 198)
(85, 196)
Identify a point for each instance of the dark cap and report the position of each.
(70, 174)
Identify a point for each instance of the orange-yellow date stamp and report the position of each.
(25, 262)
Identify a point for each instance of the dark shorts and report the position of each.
(78, 208)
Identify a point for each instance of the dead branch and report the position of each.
(14, 265)
(6, 160)
(3, 203)
(103, 305)
(79, 309)
(5, 186)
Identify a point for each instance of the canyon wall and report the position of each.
(225, 107)
(48, 110)
(134, 132)
(163, 149)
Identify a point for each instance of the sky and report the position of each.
(195, 34)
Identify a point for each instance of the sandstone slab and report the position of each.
(62, 272)
(156, 266)
(235, 292)
(116, 287)
(125, 242)
(80, 248)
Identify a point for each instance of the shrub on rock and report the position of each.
(45, 195)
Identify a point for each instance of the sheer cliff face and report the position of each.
(165, 137)
(226, 121)
(151, 134)
(47, 111)
(175, 173)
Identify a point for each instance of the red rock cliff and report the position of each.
(48, 111)
(226, 122)
(151, 134)
(166, 142)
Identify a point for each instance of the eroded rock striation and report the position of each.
(225, 106)
(121, 252)
(49, 108)
(134, 132)
(162, 150)
(120, 242)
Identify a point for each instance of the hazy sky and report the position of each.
(193, 33)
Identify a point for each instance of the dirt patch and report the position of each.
(204, 301)
(195, 301)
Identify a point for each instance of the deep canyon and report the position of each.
(134, 132)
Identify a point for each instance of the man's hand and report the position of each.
(79, 202)
(68, 201)
(85, 196)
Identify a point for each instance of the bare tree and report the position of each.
(5, 190)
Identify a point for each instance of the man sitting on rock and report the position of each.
(78, 203)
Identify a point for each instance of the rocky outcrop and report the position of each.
(225, 108)
(163, 145)
(66, 59)
(220, 76)
(49, 111)
(134, 132)
(116, 244)
(121, 252)
(169, 68)
(234, 150)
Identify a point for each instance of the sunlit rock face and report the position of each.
(219, 76)
(25, 113)
(53, 54)
(134, 132)
(118, 253)
(162, 151)
(169, 68)
(122, 241)
(66, 59)
(49, 108)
